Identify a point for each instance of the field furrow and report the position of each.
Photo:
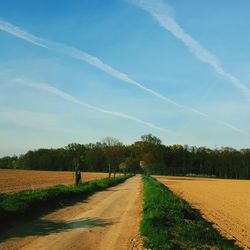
(17, 180)
(226, 203)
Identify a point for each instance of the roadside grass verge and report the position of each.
(170, 223)
(28, 203)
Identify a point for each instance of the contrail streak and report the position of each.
(83, 56)
(161, 13)
(16, 31)
(72, 99)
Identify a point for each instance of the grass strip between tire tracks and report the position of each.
(25, 204)
(170, 223)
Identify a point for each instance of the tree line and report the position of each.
(147, 155)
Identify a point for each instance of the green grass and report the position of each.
(28, 203)
(170, 223)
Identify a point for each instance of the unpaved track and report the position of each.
(226, 203)
(107, 220)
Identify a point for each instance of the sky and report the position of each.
(83, 70)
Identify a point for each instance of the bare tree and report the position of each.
(111, 147)
(122, 167)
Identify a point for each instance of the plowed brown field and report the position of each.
(226, 203)
(17, 180)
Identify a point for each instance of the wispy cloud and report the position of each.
(30, 119)
(83, 56)
(50, 89)
(161, 12)
(16, 31)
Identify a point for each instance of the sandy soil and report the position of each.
(226, 203)
(17, 180)
(107, 220)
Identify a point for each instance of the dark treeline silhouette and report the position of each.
(148, 155)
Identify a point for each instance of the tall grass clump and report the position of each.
(169, 223)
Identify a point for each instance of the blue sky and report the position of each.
(79, 71)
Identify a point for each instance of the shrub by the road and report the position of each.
(170, 223)
(24, 204)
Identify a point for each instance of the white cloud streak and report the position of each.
(52, 90)
(16, 31)
(161, 12)
(83, 56)
(160, 8)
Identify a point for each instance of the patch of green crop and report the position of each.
(170, 223)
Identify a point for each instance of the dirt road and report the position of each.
(107, 220)
(226, 203)
(12, 180)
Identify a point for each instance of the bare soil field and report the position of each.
(226, 203)
(107, 220)
(17, 180)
